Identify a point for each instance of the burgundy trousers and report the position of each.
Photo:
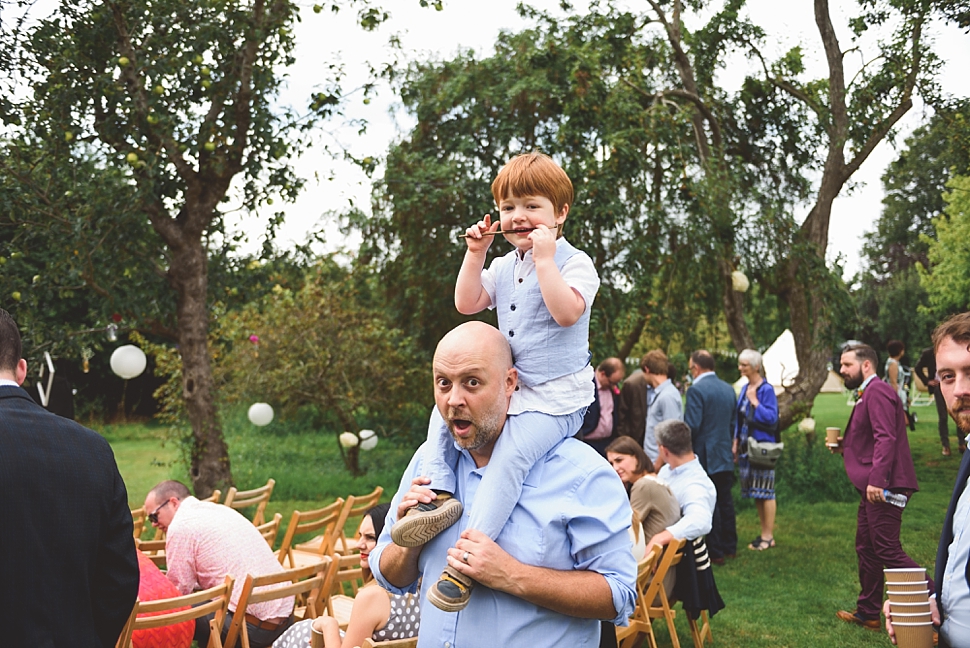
(878, 547)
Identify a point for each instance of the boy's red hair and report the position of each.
(533, 174)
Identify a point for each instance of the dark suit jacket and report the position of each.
(946, 536)
(926, 367)
(632, 418)
(592, 417)
(876, 445)
(710, 415)
(68, 570)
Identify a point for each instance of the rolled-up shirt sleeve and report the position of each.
(599, 532)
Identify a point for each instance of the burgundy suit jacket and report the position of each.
(876, 445)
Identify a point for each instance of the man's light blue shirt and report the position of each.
(696, 495)
(573, 514)
(955, 592)
(663, 404)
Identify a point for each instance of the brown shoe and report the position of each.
(853, 617)
(425, 521)
(452, 591)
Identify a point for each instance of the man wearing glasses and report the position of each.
(204, 543)
(68, 568)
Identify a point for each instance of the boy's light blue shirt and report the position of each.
(573, 515)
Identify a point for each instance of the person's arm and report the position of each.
(693, 411)
(892, 375)
(923, 365)
(766, 412)
(881, 407)
(565, 304)
(698, 513)
(371, 611)
(398, 566)
(470, 296)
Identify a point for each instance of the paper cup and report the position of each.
(918, 586)
(905, 575)
(909, 608)
(913, 635)
(909, 597)
(832, 436)
(907, 617)
(316, 638)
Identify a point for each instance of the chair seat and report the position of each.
(310, 546)
(342, 606)
(302, 558)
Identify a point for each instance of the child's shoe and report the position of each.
(425, 521)
(452, 591)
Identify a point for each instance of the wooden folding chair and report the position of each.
(640, 625)
(214, 498)
(138, 519)
(213, 600)
(672, 555)
(349, 573)
(326, 519)
(269, 530)
(394, 643)
(257, 497)
(314, 581)
(700, 633)
(154, 549)
(356, 505)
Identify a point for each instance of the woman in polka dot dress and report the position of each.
(376, 613)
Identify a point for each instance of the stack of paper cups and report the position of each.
(909, 607)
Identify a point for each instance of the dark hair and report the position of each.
(628, 446)
(377, 515)
(703, 359)
(10, 346)
(675, 436)
(656, 362)
(895, 347)
(862, 353)
(956, 327)
(610, 366)
(170, 488)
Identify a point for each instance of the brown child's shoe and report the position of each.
(452, 591)
(425, 521)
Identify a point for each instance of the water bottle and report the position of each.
(896, 499)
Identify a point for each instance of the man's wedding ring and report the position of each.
(464, 557)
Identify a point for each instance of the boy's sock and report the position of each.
(452, 591)
(425, 521)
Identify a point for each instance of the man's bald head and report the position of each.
(473, 337)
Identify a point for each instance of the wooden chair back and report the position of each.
(356, 505)
(301, 522)
(154, 549)
(394, 643)
(270, 529)
(313, 582)
(350, 577)
(138, 519)
(214, 498)
(257, 497)
(640, 626)
(214, 600)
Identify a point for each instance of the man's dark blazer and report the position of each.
(592, 417)
(710, 415)
(946, 536)
(68, 569)
(876, 446)
(632, 418)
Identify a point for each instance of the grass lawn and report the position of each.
(786, 596)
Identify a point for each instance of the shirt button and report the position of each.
(511, 333)
(520, 279)
(513, 306)
(447, 644)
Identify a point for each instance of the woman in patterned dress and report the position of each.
(376, 613)
(757, 415)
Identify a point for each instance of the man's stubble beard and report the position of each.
(487, 427)
(962, 419)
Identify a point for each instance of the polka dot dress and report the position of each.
(403, 623)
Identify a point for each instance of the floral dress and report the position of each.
(756, 483)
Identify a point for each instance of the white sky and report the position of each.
(325, 37)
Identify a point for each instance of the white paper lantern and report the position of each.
(806, 425)
(739, 281)
(128, 361)
(260, 414)
(368, 440)
(348, 439)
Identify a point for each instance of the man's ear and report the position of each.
(511, 381)
(20, 373)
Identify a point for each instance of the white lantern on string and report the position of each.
(368, 439)
(260, 414)
(739, 281)
(348, 440)
(806, 425)
(128, 361)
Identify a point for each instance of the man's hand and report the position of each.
(838, 449)
(734, 450)
(487, 563)
(661, 539)
(543, 243)
(475, 239)
(874, 494)
(934, 617)
(417, 494)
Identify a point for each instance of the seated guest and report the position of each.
(204, 543)
(689, 482)
(654, 506)
(377, 613)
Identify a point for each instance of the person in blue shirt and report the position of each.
(561, 563)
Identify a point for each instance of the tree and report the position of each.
(174, 102)
(948, 280)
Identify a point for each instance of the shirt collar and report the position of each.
(865, 383)
(685, 467)
(8, 383)
(702, 376)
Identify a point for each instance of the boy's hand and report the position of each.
(543, 242)
(475, 240)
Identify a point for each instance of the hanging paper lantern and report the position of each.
(260, 414)
(348, 440)
(128, 361)
(368, 439)
(153, 586)
(739, 281)
(806, 425)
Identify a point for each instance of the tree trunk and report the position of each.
(209, 455)
(733, 302)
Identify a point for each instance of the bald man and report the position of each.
(563, 560)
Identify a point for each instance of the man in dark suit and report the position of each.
(877, 460)
(632, 418)
(709, 414)
(599, 422)
(68, 569)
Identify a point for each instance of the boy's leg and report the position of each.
(438, 459)
(526, 438)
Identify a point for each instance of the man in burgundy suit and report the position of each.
(877, 459)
